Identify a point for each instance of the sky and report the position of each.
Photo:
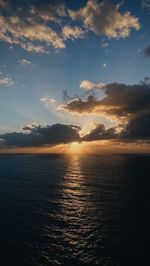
(74, 71)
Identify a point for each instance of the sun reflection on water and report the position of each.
(76, 206)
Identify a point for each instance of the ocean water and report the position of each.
(74, 210)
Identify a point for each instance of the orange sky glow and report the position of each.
(84, 148)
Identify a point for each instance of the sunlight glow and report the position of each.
(76, 147)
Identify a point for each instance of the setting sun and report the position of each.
(76, 147)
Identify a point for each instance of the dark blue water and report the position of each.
(74, 210)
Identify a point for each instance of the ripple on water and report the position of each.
(57, 210)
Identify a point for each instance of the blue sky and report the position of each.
(27, 76)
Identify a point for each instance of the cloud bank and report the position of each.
(38, 135)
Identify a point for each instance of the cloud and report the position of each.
(41, 135)
(69, 32)
(19, 25)
(100, 133)
(121, 102)
(24, 62)
(138, 127)
(147, 51)
(5, 80)
(128, 105)
(104, 18)
(78, 105)
(37, 135)
(15, 30)
(21, 21)
(33, 48)
(46, 11)
(47, 100)
(31, 126)
(89, 85)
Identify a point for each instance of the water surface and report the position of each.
(74, 210)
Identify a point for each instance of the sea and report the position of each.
(74, 209)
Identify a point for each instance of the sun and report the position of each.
(76, 147)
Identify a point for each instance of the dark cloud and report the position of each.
(100, 133)
(48, 135)
(120, 101)
(147, 51)
(127, 100)
(128, 104)
(138, 128)
(79, 105)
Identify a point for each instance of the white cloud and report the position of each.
(104, 18)
(33, 29)
(24, 62)
(47, 100)
(33, 48)
(28, 33)
(5, 80)
(16, 31)
(89, 85)
(69, 32)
